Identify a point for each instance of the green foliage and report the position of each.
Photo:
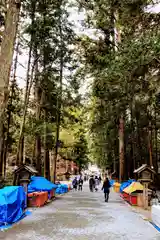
(125, 80)
(74, 136)
(125, 74)
(50, 36)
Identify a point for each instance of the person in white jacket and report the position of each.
(96, 183)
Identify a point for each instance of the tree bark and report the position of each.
(132, 161)
(2, 154)
(9, 110)
(114, 160)
(44, 92)
(29, 80)
(6, 55)
(39, 101)
(140, 162)
(121, 149)
(121, 120)
(150, 144)
(20, 148)
(46, 149)
(59, 103)
(156, 142)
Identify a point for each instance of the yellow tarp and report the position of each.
(116, 184)
(135, 186)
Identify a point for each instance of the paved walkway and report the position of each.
(83, 216)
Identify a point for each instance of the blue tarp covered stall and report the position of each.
(12, 204)
(41, 184)
(62, 188)
(126, 184)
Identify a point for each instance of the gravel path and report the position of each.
(83, 216)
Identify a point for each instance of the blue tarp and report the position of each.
(40, 184)
(62, 188)
(126, 184)
(12, 204)
(111, 182)
(5, 227)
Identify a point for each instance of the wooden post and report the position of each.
(145, 195)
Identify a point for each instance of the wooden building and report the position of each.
(64, 166)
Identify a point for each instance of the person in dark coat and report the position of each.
(105, 188)
(80, 184)
(91, 184)
(75, 183)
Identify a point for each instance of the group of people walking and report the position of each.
(77, 184)
(94, 183)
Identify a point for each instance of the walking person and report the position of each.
(105, 188)
(80, 184)
(91, 183)
(75, 184)
(96, 183)
(100, 179)
(154, 198)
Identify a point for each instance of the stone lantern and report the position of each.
(22, 177)
(145, 175)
